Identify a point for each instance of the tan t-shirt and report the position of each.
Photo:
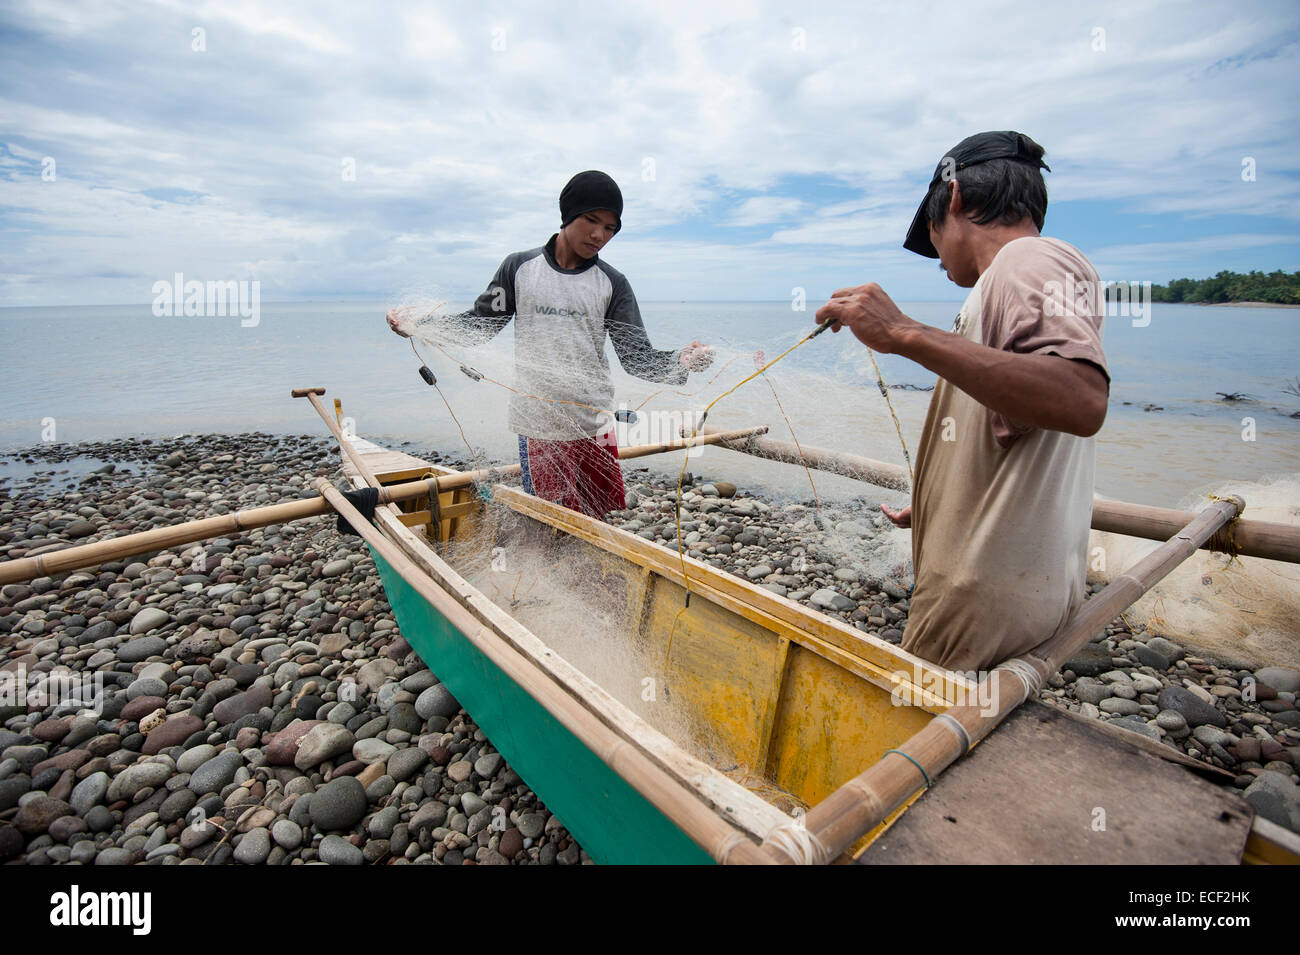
(1001, 511)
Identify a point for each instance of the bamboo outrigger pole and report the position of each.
(1250, 538)
(861, 804)
(85, 555)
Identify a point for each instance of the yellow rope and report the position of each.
(898, 429)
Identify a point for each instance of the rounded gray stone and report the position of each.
(89, 792)
(136, 777)
(404, 763)
(287, 834)
(1282, 679)
(384, 822)
(335, 850)
(436, 701)
(147, 687)
(1120, 706)
(339, 804)
(195, 757)
(216, 773)
(254, 847)
(150, 618)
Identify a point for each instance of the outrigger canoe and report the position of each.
(833, 737)
(795, 738)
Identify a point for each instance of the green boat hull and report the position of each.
(613, 822)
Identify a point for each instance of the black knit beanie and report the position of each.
(588, 191)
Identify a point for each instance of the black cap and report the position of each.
(971, 151)
(587, 192)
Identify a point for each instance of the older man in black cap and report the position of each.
(1002, 499)
(564, 300)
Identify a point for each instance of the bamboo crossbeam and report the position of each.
(71, 558)
(710, 831)
(879, 473)
(862, 803)
(1250, 538)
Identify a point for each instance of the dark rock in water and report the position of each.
(1147, 657)
(1089, 661)
(1193, 709)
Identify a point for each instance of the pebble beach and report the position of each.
(260, 705)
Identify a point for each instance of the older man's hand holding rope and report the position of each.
(868, 312)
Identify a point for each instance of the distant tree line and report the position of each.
(1255, 286)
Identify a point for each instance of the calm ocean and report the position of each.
(106, 372)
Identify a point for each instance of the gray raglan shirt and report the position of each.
(561, 319)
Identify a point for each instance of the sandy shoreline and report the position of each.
(262, 706)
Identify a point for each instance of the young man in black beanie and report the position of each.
(564, 300)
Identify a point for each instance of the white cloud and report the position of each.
(760, 210)
(823, 123)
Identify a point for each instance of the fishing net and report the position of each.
(575, 597)
(1230, 609)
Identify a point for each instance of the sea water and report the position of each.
(89, 373)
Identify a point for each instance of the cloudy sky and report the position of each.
(760, 146)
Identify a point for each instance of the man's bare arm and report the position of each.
(1038, 390)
